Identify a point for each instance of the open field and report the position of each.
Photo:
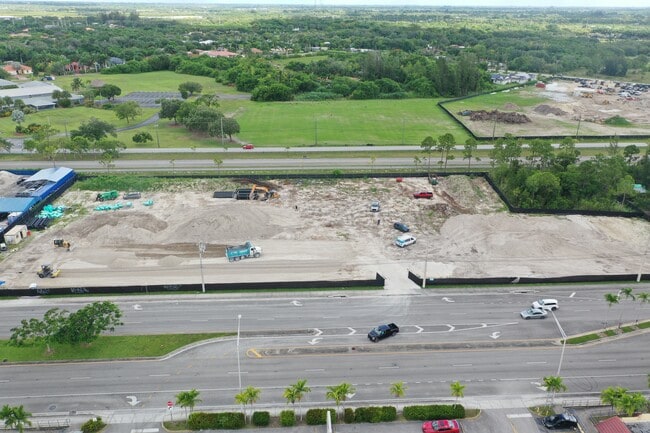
(319, 230)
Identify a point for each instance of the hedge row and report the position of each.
(375, 414)
(319, 416)
(433, 412)
(213, 421)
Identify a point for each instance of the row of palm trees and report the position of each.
(295, 392)
(625, 294)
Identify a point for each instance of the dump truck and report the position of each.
(48, 271)
(107, 195)
(245, 251)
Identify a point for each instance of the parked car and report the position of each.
(561, 421)
(401, 227)
(382, 331)
(546, 304)
(423, 194)
(405, 241)
(533, 313)
(247, 146)
(375, 206)
(441, 425)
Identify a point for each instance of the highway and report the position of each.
(446, 335)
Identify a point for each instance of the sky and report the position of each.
(434, 3)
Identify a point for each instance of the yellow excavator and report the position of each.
(62, 243)
(262, 193)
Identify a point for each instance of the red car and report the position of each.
(247, 146)
(423, 194)
(442, 425)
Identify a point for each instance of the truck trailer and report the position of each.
(245, 251)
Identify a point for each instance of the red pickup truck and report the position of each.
(423, 194)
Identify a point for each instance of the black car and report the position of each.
(383, 331)
(561, 421)
(401, 227)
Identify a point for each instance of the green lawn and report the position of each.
(105, 347)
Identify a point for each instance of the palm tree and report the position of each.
(554, 384)
(457, 390)
(296, 392)
(398, 389)
(427, 146)
(643, 298)
(187, 399)
(629, 404)
(15, 417)
(627, 292)
(611, 299)
(612, 394)
(248, 396)
(339, 393)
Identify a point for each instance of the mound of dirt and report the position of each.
(499, 116)
(548, 109)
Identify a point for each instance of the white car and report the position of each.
(533, 313)
(375, 206)
(546, 304)
(405, 241)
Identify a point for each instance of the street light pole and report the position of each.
(238, 362)
(557, 322)
(202, 246)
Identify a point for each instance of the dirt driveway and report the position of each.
(320, 230)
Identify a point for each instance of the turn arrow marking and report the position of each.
(296, 303)
(447, 299)
(315, 340)
(318, 332)
(495, 335)
(133, 398)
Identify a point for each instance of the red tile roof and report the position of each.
(612, 425)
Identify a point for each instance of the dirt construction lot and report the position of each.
(319, 230)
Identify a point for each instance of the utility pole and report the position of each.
(315, 132)
(202, 246)
(222, 138)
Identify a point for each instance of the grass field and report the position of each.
(105, 347)
(379, 122)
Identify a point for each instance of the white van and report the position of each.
(546, 304)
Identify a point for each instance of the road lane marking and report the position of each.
(315, 369)
(80, 378)
(519, 415)
(462, 365)
(255, 353)
(536, 362)
(572, 295)
(159, 375)
(237, 372)
(392, 366)
(606, 360)
(199, 320)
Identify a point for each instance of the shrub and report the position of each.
(375, 414)
(433, 412)
(93, 425)
(348, 415)
(319, 416)
(212, 421)
(261, 419)
(287, 418)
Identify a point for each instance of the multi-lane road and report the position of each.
(476, 338)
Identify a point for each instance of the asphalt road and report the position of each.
(332, 329)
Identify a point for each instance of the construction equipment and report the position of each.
(107, 195)
(266, 193)
(62, 243)
(247, 250)
(48, 271)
